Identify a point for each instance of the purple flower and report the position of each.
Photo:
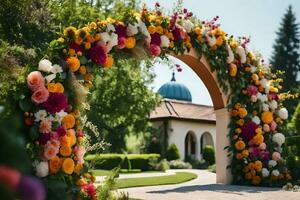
(76, 47)
(248, 130)
(44, 138)
(177, 34)
(254, 151)
(121, 31)
(155, 39)
(31, 188)
(265, 155)
(56, 102)
(97, 55)
(273, 96)
(61, 131)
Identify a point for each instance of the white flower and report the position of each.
(211, 40)
(272, 163)
(40, 115)
(165, 42)
(253, 69)
(112, 42)
(105, 37)
(256, 120)
(42, 169)
(273, 105)
(230, 57)
(275, 172)
(50, 77)
(132, 29)
(110, 28)
(265, 172)
(283, 113)
(262, 97)
(45, 65)
(278, 149)
(278, 138)
(264, 82)
(56, 69)
(188, 25)
(241, 52)
(265, 107)
(143, 28)
(60, 115)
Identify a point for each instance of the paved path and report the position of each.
(205, 188)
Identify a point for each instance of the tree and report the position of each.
(121, 102)
(286, 54)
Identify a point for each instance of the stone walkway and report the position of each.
(205, 188)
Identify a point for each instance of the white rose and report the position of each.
(105, 37)
(230, 57)
(45, 65)
(265, 107)
(265, 172)
(278, 138)
(272, 163)
(42, 169)
(188, 25)
(56, 69)
(40, 115)
(112, 42)
(143, 28)
(262, 97)
(275, 172)
(60, 115)
(132, 29)
(241, 52)
(253, 69)
(264, 82)
(110, 28)
(211, 40)
(273, 105)
(50, 77)
(165, 42)
(283, 113)
(256, 120)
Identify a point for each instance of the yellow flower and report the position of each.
(109, 61)
(97, 37)
(72, 137)
(242, 112)
(68, 166)
(61, 40)
(87, 45)
(70, 31)
(198, 30)
(87, 77)
(130, 42)
(245, 153)
(77, 168)
(81, 33)
(273, 89)
(93, 25)
(232, 69)
(238, 130)
(73, 63)
(159, 30)
(240, 145)
(51, 87)
(152, 29)
(240, 122)
(65, 150)
(219, 41)
(258, 130)
(258, 165)
(267, 117)
(254, 77)
(171, 45)
(68, 121)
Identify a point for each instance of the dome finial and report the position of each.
(173, 76)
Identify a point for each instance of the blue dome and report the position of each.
(174, 90)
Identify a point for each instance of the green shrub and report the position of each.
(157, 165)
(172, 153)
(212, 168)
(179, 164)
(107, 161)
(200, 164)
(209, 154)
(126, 163)
(141, 161)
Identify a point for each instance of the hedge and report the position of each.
(110, 161)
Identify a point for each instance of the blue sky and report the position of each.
(257, 19)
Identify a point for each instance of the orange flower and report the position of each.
(234, 113)
(219, 41)
(251, 166)
(130, 42)
(258, 165)
(59, 88)
(73, 63)
(232, 69)
(198, 30)
(258, 139)
(240, 145)
(72, 137)
(51, 87)
(248, 176)
(237, 106)
(68, 121)
(256, 180)
(108, 62)
(267, 117)
(240, 122)
(87, 45)
(65, 150)
(245, 153)
(242, 112)
(238, 130)
(82, 70)
(152, 29)
(68, 166)
(72, 52)
(87, 77)
(239, 156)
(55, 164)
(65, 141)
(77, 168)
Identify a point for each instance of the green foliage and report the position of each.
(295, 122)
(293, 164)
(199, 164)
(212, 168)
(126, 163)
(286, 54)
(172, 152)
(209, 154)
(107, 161)
(159, 165)
(104, 191)
(179, 164)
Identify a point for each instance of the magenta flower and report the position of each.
(177, 34)
(155, 39)
(56, 102)
(76, 47)
(121, 31)
(61, 131)
(254, 152)
(44, 138)
(97, 55)
(248, 130)
(90, 189)
(155, 50)
(252, 90)
(273, 96)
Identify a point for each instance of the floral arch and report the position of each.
(245, 91)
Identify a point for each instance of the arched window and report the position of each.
(206, 139)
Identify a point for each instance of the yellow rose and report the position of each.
(68, 166)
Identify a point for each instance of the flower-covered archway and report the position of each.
(238, 80)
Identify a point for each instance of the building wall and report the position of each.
(178, 131)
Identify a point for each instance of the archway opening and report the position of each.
(205, 140)
(190, 145)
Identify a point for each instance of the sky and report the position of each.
(257, 19)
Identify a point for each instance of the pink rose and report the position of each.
(252, 90)
(50, 152)
(155, 50)
(253, 98)
(273, 126)
(121, 42)
(35, 80)
(79, 152)
(262, 146)
(40, 95)
(276, 156)
(266, 128)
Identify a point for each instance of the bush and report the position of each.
(179, 164)
(200, 164)
(107, 161)
(172, 153)
(159, 165)
(141, 161)
(212, 168)
(126, 164)
(209, 154)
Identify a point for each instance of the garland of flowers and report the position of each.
(58, 90)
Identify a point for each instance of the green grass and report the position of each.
(179, 177)
(101, 172)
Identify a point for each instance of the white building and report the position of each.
(178, 121)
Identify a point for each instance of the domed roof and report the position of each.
(174, 90)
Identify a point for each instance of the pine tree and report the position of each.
(286, 54)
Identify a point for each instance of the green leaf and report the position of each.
(34, 133)
(25, 104)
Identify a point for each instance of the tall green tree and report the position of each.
(121, 102)
(286, 54)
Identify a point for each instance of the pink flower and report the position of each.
(50, 152)
(9, 177)
(254, 151)
(54, 143)
(253, 98)
(262, 146)
(155, 50)
(252, 90)
(45, 126)
(56, 102)
(90, 189)
(266, 128)
(273, 126)
(121, 42)
(35, 80)
(276, 156)
(79, 152)
(54, 136)
(40, 95)
(248, 130)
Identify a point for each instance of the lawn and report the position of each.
(179, 177)
(100, 172)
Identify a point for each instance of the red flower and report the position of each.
(90, 189)
(97, 55)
